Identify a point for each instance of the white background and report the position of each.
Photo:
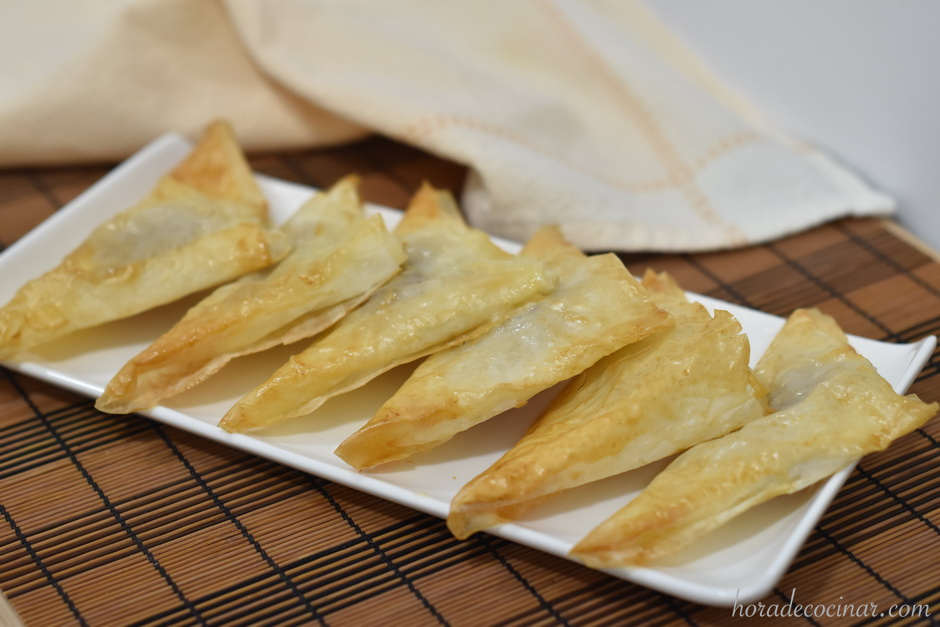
(858, 78)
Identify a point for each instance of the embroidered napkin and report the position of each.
(585, 113)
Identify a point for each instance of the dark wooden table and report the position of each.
(111, 520)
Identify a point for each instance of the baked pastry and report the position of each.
(203, 224)
(338, 258)
(833, 408)
(455, 285)
(597, 308)
(644, 402)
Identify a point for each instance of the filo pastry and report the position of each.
(833, 408)
(203, 224)
(455, 285)
(338, 258)
(597, 308)
(644, 402)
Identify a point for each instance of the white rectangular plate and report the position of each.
(742, 561)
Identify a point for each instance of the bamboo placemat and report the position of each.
(121, 520)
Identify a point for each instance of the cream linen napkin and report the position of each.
(584, 113)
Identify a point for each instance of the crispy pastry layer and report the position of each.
(338, 258)
(644, 402)
(455, 285)
(203, 224)
(833, 409)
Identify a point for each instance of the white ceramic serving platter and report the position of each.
(740, 562)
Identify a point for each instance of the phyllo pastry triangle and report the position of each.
(203, 224)
(597, 308)
(338, 258)
(455, 285)
(833, 408)
(646, 401)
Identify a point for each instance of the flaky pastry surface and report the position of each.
(455, 284)
(597, 308)
(833, 408)
(203, 224)
(338, 258)
(644, 402)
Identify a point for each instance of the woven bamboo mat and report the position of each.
(115, 520)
